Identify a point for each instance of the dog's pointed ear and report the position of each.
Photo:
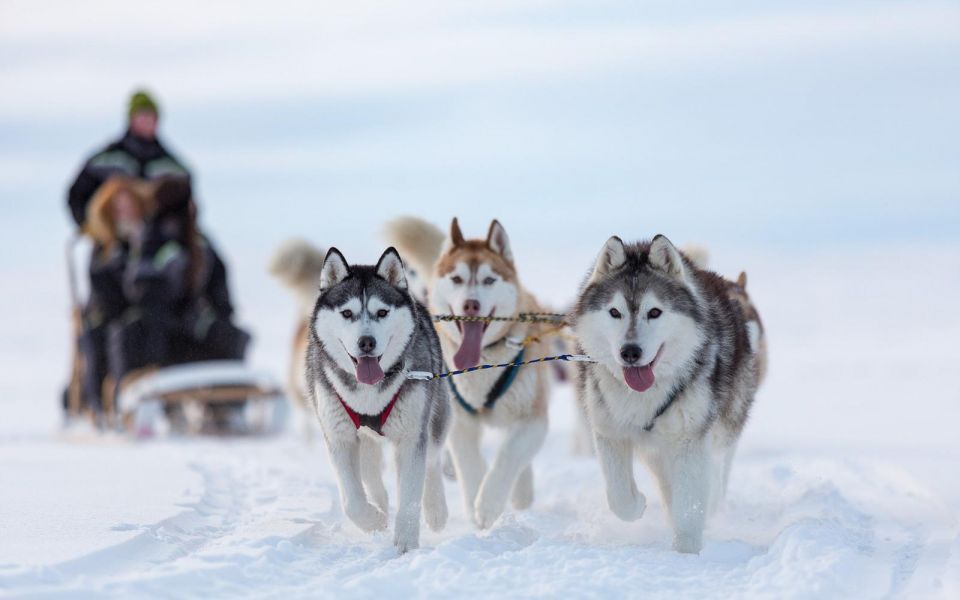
(665, 257)
(390, 267)
(612, 256)
(742, 280)
(335, 269)
(456, 236)
(498, 241)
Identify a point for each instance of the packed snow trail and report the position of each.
(262, 518)
(845, 485)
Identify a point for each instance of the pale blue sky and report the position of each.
(768, 123)
(825, 133)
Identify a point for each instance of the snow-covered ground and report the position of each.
(262, 519)
(846, 485)
(812, 144)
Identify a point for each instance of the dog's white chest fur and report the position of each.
(619, 412)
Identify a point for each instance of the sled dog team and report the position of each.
(676, 355)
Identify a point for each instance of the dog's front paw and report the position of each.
(381, 500)
(488, 508)
(688, 543)
(628, 507)
(405, 544)
(366, 516)
(406, 536)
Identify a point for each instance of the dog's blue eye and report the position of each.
(382, 313)
(346, 314)
(615, 313)
(456, 279)
(489, 280)
(654, 313)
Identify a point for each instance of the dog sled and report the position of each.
(209, 397)
(222, 397)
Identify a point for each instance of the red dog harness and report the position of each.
(374, 422)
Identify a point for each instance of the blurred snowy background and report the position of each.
(814, 144)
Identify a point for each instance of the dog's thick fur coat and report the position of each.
(479, 277)
(366, 333)
(674, 379)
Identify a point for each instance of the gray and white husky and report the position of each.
(366, 333)
(674, 379)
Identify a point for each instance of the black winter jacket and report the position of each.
(156, 284)
(107, 300)
(130, 155)
(159, 279)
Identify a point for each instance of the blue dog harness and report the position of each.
(499, 388)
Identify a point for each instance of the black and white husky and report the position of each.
(366, 334)
(674, 379)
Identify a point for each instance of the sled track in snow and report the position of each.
(267, 522)
(156, 546)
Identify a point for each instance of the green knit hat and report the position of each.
(141, 100)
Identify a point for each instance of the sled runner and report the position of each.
(72, 400)
(219, 397)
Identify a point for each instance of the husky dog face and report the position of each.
(637, 314)
(475, 278)
(363, 318)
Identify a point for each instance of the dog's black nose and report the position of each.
(630, 353)
(471, 308)
(367, 344)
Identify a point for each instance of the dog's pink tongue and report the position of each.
(369, 371)
(469, 353)
(639, 378)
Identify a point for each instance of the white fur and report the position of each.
(602, 335)
(341, 336)
(681, 460)
(355, 456)
(522, 411)
(691, 468)
(753, 335)
(485, 491)
(334, 270)
(499, 242)
(521, 443)
(610, 258)
(390, 267)
(665, 256)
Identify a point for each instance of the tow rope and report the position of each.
(558, 321)
(503, 383)
(548, 318)
(428, 376)
(499, 388)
